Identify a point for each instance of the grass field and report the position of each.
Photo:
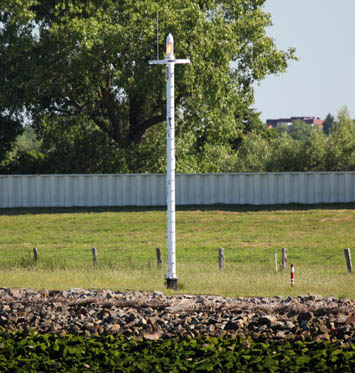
(126, 239)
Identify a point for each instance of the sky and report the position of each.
(323, 80)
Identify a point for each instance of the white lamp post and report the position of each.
(170, 61)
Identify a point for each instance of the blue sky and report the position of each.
(323, 80)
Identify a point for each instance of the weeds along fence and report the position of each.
(48, 261)
(191, 189)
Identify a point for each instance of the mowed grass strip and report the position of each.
(126, 238)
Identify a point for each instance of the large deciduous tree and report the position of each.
(89, 59)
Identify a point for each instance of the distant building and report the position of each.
(312, 121)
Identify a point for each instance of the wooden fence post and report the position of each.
(284, 258)
(35, 254)
(348, 260)
(94, 255)
(221, 258)
(159, 259)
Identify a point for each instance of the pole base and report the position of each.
(172, 283)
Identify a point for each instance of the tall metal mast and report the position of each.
(170, 61)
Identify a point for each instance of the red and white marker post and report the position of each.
(292, 275)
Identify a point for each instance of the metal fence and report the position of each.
(191, 189)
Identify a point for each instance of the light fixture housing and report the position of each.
(169, 46)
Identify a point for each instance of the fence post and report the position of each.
(348, 260)
(35, 254)
(284, 258)
(94, 255)
(159, 259)
(276, 262)
(292, 275)
(221, 258)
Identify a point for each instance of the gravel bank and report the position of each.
(155, 315)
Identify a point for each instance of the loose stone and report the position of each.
(155, 315)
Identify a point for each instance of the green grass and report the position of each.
(315, 237)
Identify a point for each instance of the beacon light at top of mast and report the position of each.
(169, 56)
(170, 47)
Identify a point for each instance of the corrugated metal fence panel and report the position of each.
(191, 189)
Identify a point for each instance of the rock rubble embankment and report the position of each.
(155, 315)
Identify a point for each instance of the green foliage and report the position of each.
(75, 145)
(67, 145)
(25, 162)
(9, 130)
(79, 73)
(250, 123)
(286, 155)
(300, 130)
(30, 352)
(300, 147)
(341, 143)
(27, 141)
(282, 128)
(314, 152)
(89, 60)
(328, 124)
(253, 154)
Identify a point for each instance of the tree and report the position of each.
(89, 59)
(249, 122)
(286, 155)
(314, 151)
(300, 130)
(9, 130)
(341, 150)
(328, 124)
(25, 156)
(254, 154)
(282, 128)
(71, 145)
